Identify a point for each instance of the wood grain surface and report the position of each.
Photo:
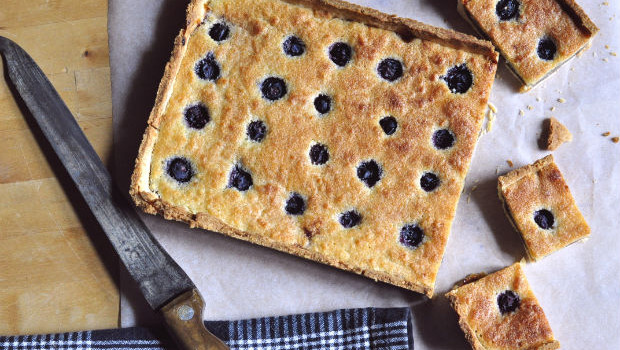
(57, 273)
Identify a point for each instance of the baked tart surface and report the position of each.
(534, 36)
(500, 312)
(540, 206)
(319, 128)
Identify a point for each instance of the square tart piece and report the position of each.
(320, 128)
(500, 312)
(534, 36)
(541, 208)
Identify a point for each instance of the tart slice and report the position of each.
(500, 312)
(540, 206)
(534, 36)
(320, 128)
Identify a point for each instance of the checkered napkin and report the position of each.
(369, 328)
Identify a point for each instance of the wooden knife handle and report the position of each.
(183, 316)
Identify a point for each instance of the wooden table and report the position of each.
(52, 278)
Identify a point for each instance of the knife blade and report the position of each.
(163, 283)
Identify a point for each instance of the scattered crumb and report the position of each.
(521, 113)
(490, 122)
(537, 99)
(615, 139)
(607, 47)
(572, 69)
(530, 107)
(510, 163)
(552, 109)
(492, 107)
(605, 3)
(613, 54)
(554, 135)
(605, 60)
(474, 188)
(606, 133)
(561, 100)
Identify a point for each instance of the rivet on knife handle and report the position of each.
(183, 315)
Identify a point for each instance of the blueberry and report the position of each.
(180, 169)
(388, 124)
(323, 103)
(256, 130)
(293, 46)
(508, 301)
(443, 139)
(219, 31)
(544, 219)
(207, 68)
(273, 88)
(240, 179)
(197, 116)
(546, 49)
(429, 182)
(369, 172)
(350, 219)
(459, 79)
(411, 236)
(295, 204)
(390, 69)
(319, 154)
(507, 9)
(340, 53)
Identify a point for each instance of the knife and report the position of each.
(163, 283)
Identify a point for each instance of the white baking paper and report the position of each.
(578, 287)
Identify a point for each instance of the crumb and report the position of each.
(605, 60)
(510, 163)
(615, 139)
(572, 69)
(606, 133)
(561, 100)
(613, 54)
(554, 134)
(474, 188)
(492, 107)
(605, 3)
(521, 113)
(490, 122)
(552, 109)
(537, 99)
(530, 107)
(607, 47)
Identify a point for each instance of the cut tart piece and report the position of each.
(534, 36)
(541, 208)
(323, 129)
(554, 134)
(500, 312)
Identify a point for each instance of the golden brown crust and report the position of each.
(148, 194)
(555, 134)
(486, 328)
(562, 20)
(541, 186)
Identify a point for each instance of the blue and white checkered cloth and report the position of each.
(370, 328)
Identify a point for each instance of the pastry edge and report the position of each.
(151, 203)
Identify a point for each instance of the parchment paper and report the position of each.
(578, 286)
